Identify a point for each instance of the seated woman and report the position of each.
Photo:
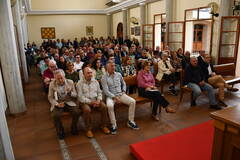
(128, 68)
(61, 64)
(166, 72)
(176, 64)
(98, 69)
(147, 89)
(71, 73)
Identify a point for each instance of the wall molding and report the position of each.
(116, 8)
(68, 12)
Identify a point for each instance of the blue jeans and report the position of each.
(197, 90)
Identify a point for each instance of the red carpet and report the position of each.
(193, 143)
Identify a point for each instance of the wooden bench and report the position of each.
(130, 81)
(226, 70)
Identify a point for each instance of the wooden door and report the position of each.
(148, 35)
(175, 35)
(197, 37)
(229, 38)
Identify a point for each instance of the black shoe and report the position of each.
(221, 103)
(173, 92)
(113, 130)
(61, 135)
(74, 132)
(193, 103)
(215, 107)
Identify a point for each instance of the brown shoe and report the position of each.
(170, 110)
(89, 134)
(155, 117)
(105, 130)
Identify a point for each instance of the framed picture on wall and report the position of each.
(137, 31)
(48, 33)
(132, 30)
(89, 30)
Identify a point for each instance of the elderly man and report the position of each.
(215, 80)
(61, 96)
(194, 78)
(48, 74)
(114, 88)
(90, 95)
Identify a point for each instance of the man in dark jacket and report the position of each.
(194, 78)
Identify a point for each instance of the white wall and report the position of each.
(181, 5)
(134, 12)
(154, 8)
(66, 26)
(116, 18)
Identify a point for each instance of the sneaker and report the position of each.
(132, 125)
(113, 130)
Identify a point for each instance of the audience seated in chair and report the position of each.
(78, 63)
(147, 89)
(71, 73)
(90, 97)
(61, 95)
(167, 72)
(48, 74)
(128, 68)
(114, 87)
(215, 80)
(99, 69)
(194, 79)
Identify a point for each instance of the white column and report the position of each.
(124, 11)
(4, 134)
(9, 60)
(109, 25)
(21, 40)
(169, 15)
(142, 19)
(25, 30)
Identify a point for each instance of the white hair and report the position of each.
(59, 71)
(52, 62)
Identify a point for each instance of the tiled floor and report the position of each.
(33, 135)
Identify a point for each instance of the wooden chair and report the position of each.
(184, 88)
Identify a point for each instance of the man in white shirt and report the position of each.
(78, 63)
(90, 96)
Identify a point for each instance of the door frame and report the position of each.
(201, 19)
(234, 58)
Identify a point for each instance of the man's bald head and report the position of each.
(88, 73)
